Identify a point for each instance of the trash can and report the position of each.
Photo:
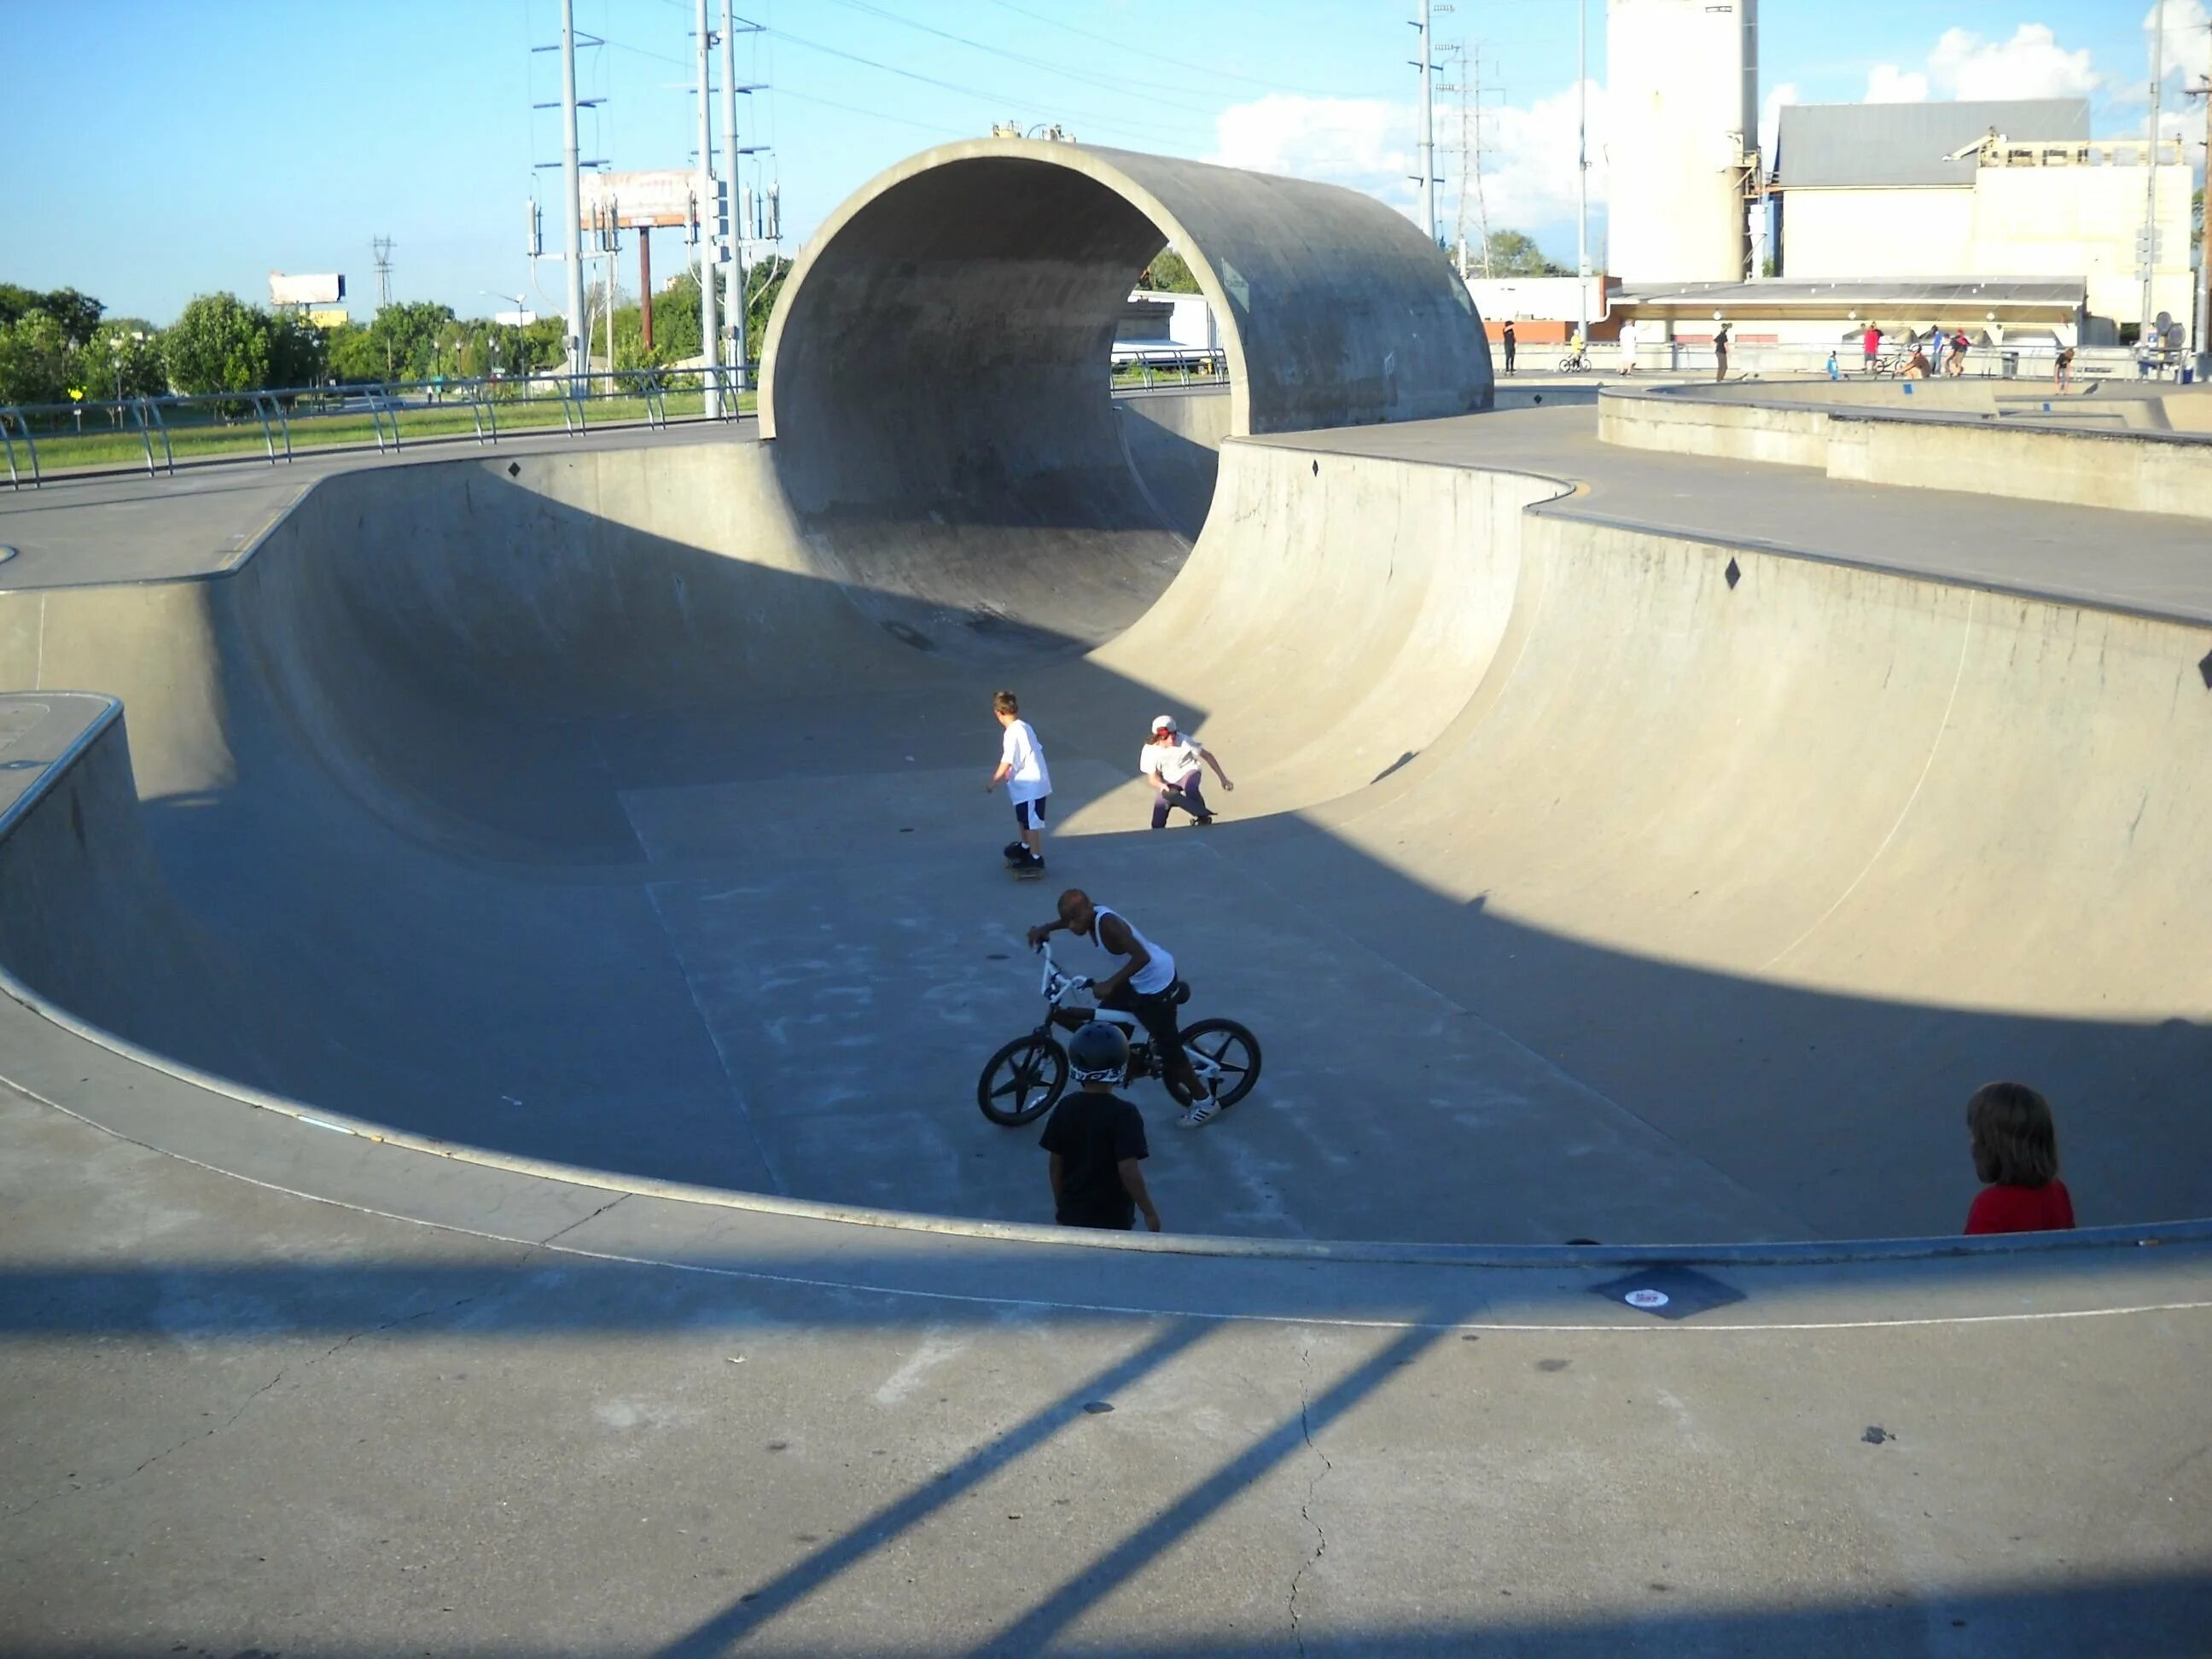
(2011, 362)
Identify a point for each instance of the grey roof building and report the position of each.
(1847, 146)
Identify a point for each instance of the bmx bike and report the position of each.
(1574, 362)
(1020, 1082)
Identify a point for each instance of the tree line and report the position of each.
(62, 342)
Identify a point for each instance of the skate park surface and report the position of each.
(1517, 985)
(498, 944)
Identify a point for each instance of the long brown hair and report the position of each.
(2016, 1142)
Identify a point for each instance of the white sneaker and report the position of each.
(1198, 1115)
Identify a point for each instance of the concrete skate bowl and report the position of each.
(2126, 448)
(1583, 882)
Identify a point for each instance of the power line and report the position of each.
(1088, 117)
(1120, 86)
(1127, 50)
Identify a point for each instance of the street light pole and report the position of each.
(2144, 339)
(1582, 167)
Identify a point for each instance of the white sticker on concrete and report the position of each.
(1646, 1298)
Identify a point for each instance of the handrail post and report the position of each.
(30, 443)
(145, 432)
(168, 451)
(268, 438)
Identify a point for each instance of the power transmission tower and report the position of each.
(1469, 88)
(381, 247)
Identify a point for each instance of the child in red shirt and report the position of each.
(2016, 1151)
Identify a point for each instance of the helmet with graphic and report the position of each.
(1098, 1054)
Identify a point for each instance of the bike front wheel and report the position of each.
(1022, 1080)
(1224, 1045)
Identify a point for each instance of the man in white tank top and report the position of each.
(1141, 985)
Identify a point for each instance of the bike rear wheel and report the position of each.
(1022, 1080)
(1231, 1047)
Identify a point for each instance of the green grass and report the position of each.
(207, 437)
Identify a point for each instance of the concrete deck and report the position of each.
(1577, 890)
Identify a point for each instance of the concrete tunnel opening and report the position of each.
(944, 419)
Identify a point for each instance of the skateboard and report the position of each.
(1018, 864)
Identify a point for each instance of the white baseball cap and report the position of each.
(1164, 723)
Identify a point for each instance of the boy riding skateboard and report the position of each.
(1029, 785)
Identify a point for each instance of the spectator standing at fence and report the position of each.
(2062, 372)
(1720, 353)
(1959, 344)
(1628, 346)
(2016, 1151)
(1870, 342)
(1511, 346)
(1940, 344)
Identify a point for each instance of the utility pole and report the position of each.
(571, 171)
(381, 247)
(2145, 337)
(2204, 318)
(1428, 144)
(703, 193)
(734, 271)
(1581, 165)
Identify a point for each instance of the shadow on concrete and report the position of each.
(421, 898)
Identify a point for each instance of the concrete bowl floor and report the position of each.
(1576, 888)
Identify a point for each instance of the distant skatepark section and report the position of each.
(620, 806)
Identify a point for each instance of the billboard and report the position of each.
(328, 317)
(661, 197)
(305, 290)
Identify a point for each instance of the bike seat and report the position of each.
(1178, 994)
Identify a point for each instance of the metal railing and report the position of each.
(1204, 368)
(162, 434)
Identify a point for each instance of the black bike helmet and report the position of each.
(1098, 1054)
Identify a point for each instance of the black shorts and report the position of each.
(1029, 814)
(1156, 1014)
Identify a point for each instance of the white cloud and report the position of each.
(1368, 144)
(1888, 84)
(2188, 46)
(2032, 65)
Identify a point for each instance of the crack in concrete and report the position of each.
(563, 1232)
(1305, 1508)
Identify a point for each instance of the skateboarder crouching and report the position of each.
(1029, 784)
(1096, 1140)
(1170, 761)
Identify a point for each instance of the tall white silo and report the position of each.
(1682, 118)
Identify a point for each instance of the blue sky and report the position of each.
(183, 146)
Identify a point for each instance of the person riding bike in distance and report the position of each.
(1143, 985)
(1096, 1140)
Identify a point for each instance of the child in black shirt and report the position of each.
(1096, 1140)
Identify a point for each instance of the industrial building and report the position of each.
(2007, 192)
(2006, 218)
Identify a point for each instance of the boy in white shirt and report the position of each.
(1029, 785)
(1170, 762)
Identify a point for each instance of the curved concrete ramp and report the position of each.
(936, 375)
(1583, 881)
